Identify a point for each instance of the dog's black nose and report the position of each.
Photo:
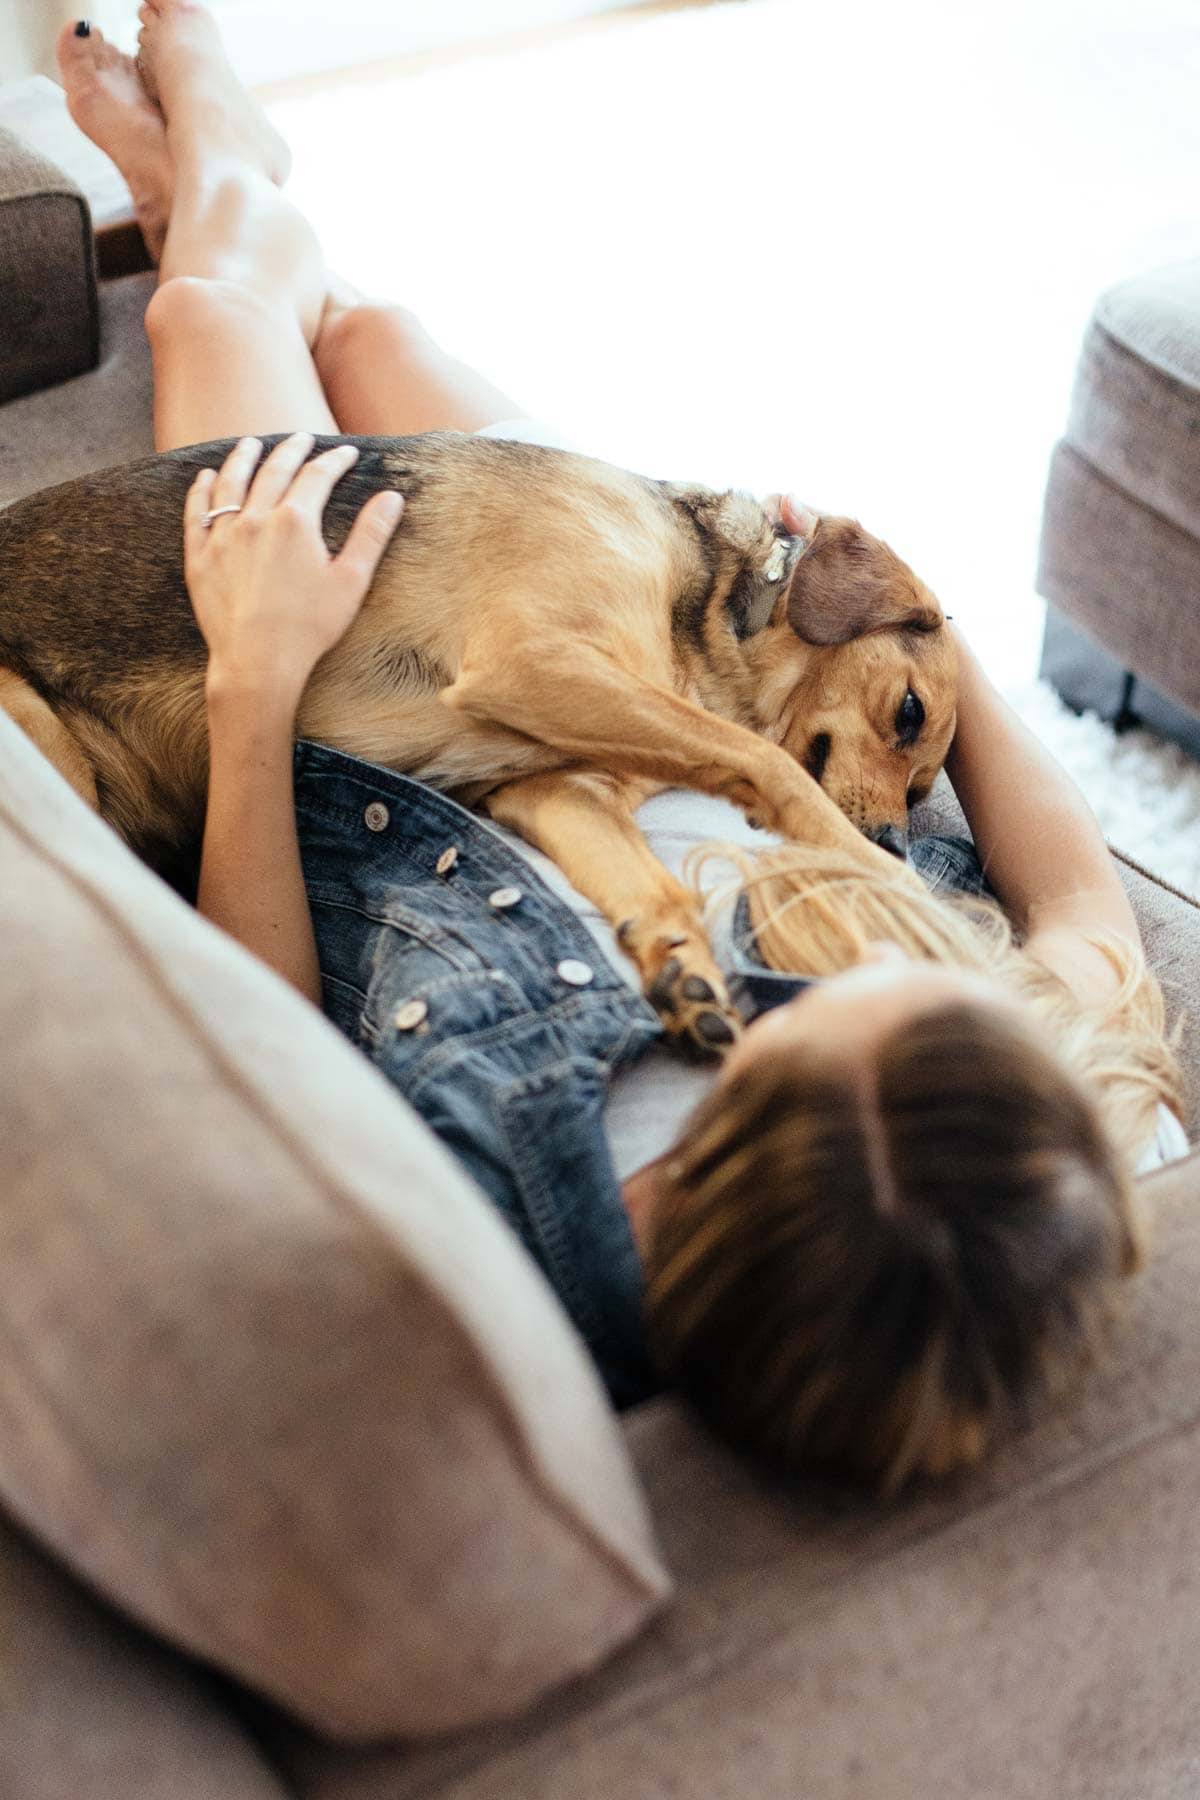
(892, 839)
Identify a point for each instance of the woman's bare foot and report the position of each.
(184, 67)
(107, 101)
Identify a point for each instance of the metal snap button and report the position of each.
(576, 973)
(376, 816)
(447, 860)
(411, 1014)
(501, 898)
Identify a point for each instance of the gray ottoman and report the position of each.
(1120, 552)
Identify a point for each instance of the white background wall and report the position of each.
(27, 33)
(275, 40)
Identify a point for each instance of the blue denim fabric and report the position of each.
(461, 1003)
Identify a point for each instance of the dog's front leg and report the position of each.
(584, 822)
(606, 715)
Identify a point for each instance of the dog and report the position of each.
(547, 637)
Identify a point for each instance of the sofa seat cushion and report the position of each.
(276, 1380)
(94, 1709)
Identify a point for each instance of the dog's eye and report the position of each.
(817, 755)
(909, 719)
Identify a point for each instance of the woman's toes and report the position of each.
(107, 101)
(185, 70)
(75, 46)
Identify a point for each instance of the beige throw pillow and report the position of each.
(273, 1374)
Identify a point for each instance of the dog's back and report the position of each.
(95, 616)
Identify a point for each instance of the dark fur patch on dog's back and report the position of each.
(117, 536)
(95, 616)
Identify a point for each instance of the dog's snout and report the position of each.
(891, 839)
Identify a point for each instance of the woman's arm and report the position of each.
(270, 602)
(1036, 835)
(251, 883)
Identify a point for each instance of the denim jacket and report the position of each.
(488, 1003)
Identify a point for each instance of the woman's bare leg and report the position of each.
(250, 333)
(379, 370)
(241, 276)
(383, 374)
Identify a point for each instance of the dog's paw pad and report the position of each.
(694, 1009)
(696, 988)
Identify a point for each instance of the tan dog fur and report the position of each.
(547, 635)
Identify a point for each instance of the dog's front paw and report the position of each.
(684, 986)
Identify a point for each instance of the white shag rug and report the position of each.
(1144, 791)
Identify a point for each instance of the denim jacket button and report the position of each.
(376, 817)
(504, 897)
(577, 974)
(447, 860)
(411, 1014)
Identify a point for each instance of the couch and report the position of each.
(1121, 522)
(307, 1486)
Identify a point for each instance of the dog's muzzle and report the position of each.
(892, 839)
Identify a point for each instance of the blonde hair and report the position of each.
(870, 1277)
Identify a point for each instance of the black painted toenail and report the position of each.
(83, 29)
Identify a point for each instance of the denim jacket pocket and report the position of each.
(374, 950)
(416, 1006)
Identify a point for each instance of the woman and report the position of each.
(903, 1206)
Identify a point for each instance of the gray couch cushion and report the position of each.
(92, 1709)
(49, 317)
(98, 420)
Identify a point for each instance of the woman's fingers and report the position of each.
(233, 477)
(288, 480)
(369, 537)
(310, 490)
(278, 472)
(198, 502)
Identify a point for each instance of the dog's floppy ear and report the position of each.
(848, 583)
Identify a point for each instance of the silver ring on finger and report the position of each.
(207, 518)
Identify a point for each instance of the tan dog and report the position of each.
(548, 635)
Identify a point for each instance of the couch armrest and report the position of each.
(49, 309)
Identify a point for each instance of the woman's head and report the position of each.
(872, 1245)
(897, 1217)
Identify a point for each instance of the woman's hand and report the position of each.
(267, 595)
